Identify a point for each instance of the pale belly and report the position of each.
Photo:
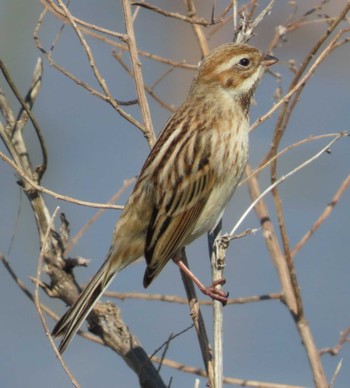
(219, 199)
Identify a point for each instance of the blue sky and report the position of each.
(92, 151)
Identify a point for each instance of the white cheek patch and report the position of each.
(252, 80)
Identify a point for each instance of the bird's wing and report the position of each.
(178, 207)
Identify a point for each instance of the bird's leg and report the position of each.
(210, 291)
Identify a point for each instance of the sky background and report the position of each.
(92, 151)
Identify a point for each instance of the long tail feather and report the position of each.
(71, 321)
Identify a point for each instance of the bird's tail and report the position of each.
(71, 321)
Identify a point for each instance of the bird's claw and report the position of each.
(215, 293)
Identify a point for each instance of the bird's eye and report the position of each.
(244, 62)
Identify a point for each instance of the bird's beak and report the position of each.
(268, 60)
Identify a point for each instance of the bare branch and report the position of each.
(247, 28)
(175, 15)
(344, 338)
(61, 14)
(198, 322)
(217, 265)
(326, 213)
(198, 31)
(53, 194)
(139, 84)
(106, 96)
(177, 299)
(227, 380)
(283, 178)
(35, 87)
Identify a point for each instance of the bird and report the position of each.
(187, 179)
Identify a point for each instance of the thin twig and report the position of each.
(227, 380)
(335, 374)
(91, 29)
(217, 265)
(179, 300)
(247, 28)
(38, 305)
(198, 31)
(73, 241)
(148, 130)
(148, 89)
(327, 211)
(234, 15)
(175, 15)
(344, 338)
(302, 81)
(167, 342)
(199, 324)
(283, 178)
(40, 170)
(53, 193)
(284, 150)
(60, 13)
(107, 95)
(281, 126)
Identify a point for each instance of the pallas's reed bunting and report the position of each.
(187, 179)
